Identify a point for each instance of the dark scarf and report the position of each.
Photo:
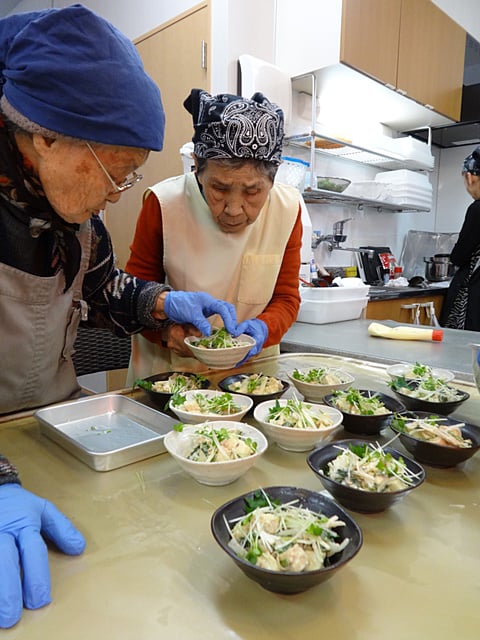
(24, 199)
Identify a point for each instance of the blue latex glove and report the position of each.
(255, 328)
(23, 516)
(195, 307)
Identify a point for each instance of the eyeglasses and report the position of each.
(129, 181)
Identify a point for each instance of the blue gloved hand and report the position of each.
(258, 330)
(195, 307)
(23, 516)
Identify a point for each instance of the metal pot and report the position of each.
(438, 268)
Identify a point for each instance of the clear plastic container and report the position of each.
(292, 171)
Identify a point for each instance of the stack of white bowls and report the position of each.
(408, 189)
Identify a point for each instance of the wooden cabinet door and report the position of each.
(431, 57)
(370, 37)
(392, 309)
(172, 55)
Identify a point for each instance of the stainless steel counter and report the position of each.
(395, 293)
(351, 339)
(152, 570)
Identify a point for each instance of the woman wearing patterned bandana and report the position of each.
(78, 117)
(226, 227)
(461, 309)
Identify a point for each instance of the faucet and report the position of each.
(334, 239)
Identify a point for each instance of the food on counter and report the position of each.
(256, 384)
(417, 371)
(298, 415)
(284, 537)
(220, 339)
(210, 444)
(175, 383)
(430, 389)
(319, 375)
(369, 468)
(355, 402)
(222, 404)
(378, 330)
(432, 430)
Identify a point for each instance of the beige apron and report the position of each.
(39, 323)
(241, 268)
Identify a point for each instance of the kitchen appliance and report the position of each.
(438, 268)
(373, 263)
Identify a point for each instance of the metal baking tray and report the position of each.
(106, 432)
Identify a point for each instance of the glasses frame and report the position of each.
(129, 181)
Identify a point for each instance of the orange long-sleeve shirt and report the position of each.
(146, 262)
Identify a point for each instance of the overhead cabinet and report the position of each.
(410, 45)
(405, 56)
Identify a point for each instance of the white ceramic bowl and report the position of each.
(293, 439)
(220, 358)
(402, 369)
(189, 417)
(315, 392)
(214, 473)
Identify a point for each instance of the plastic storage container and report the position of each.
(321, 305)
(323, 312)
(292, 171)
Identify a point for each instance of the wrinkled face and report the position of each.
(235, 196)
(74, 182)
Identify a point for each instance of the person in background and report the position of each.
(225, 228)
(461, 308)
(78, 117)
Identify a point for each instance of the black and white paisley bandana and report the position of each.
(471, 164)
(229, 126)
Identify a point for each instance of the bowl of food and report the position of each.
(216, 453)
(417, 371)
(286, 539)
(315, 383)
(162, 386)
(220, 350)
(428, 394)
(365, 412)
(257, 386)
(195, 406)
(436, 440)
(332, 184)
(364, 476)
(295, 425)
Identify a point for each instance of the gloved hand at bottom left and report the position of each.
(24, 572)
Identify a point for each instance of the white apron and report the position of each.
(39, 324)
(241, 268)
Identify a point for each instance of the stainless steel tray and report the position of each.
(107, 431)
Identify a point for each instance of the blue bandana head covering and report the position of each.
(229, 126)
(471, 164)
(72, 72)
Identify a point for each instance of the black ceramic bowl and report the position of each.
(161, 398)
(437, 455)
(416, 404)
(257, 398)
(368, 425)
(356, 499)
(289, 582)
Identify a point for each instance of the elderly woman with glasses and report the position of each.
(227, 227)
(461, 308)
(78, 117)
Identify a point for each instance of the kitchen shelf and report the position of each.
(322, 196)
(349, 151)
